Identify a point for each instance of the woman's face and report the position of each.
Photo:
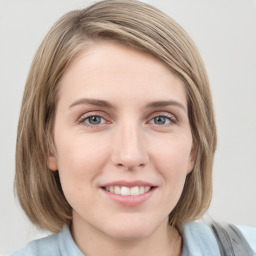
(123, 141)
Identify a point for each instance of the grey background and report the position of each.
(225, 33)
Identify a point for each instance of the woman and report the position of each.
(116, 137)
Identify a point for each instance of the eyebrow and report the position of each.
(165, 103)
(105, 104)
(94, 102)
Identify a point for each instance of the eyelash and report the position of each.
(82, 120)
(169, 117)
(172, 120)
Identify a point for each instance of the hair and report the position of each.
(144, 28)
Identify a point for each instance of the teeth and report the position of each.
(147, 188)
(142, 190)
(117, 190)
(125, 191)
(134, 191)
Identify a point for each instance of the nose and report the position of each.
(129, 148)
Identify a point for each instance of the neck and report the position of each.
(164, 241)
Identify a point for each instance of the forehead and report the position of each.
(110, 69)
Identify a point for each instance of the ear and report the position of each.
(192, 158)
(52, 162)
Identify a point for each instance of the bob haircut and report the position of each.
(146, 29)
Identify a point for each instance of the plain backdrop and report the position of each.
(225, 33)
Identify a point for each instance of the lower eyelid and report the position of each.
(168, 122)
(169, 117)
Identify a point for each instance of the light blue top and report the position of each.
(198, 240)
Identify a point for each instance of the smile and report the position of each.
(128, 191)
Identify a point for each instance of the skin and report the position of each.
(128, 143)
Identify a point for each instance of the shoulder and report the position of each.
(44, 246)
(215, 239)
(249, 234)
(60, 244)
(198, 239)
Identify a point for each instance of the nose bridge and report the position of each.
(129, 149)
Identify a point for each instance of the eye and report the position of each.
(92, 120)
(161, 120)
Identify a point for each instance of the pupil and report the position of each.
(94, 120)
(159, 120)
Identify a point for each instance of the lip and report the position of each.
(128, 184)
(128, 201)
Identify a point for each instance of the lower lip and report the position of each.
(129, 201)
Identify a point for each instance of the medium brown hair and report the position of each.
(136, 25)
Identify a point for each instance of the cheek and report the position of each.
(172, 160)
(79, 152)
(80, 160)
(173, 151)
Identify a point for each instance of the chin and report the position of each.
(130, 230)
(130, 235)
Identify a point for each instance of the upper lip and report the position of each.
(128, 184)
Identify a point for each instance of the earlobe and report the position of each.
(192, 159)
(52, 162)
